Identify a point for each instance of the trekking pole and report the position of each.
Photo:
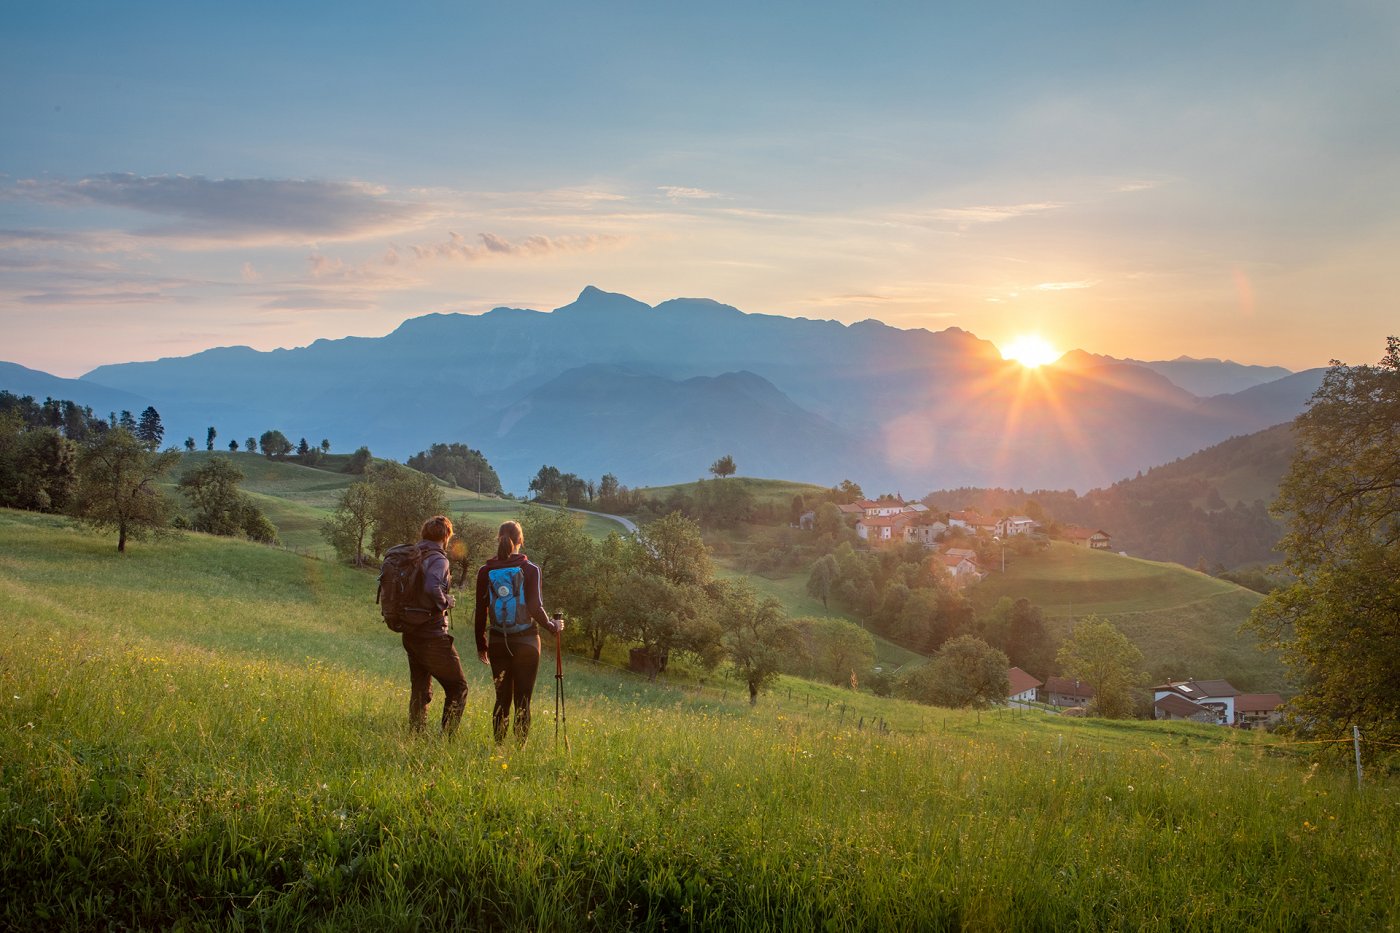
(560, 715)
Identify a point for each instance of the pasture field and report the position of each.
(297, 499)
(210, 734)
(777, 493)
(1186, 623)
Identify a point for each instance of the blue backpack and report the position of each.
(508, 613)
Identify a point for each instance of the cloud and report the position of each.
(676, 193)
(65, 295)
(1066, 286)
(235, 209)
(314, 300)
(459, 249)
(992, 213)
(250, 274)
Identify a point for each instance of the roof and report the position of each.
(850, 508)
(1200, 689)
(915, 507)
(1079, 532)
(953, 560)
(962, 552)
(1018, 519)
(1019, 682)
(882, 520)
(875, 504)
(1257, 702)
(1066, 687)
(1180, 706)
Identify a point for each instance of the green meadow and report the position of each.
(210, 734)
(1186, 623)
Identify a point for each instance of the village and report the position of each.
(889, 521)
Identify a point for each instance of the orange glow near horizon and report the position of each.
(1030, 350)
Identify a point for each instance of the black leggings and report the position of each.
(514, 665)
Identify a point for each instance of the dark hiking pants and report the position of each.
(432, 657)
(514, 664)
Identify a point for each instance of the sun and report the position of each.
(1030, 350)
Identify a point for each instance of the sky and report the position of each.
(1217, 179)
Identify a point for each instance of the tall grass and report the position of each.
(212, 735)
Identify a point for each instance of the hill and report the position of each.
(247, 766)
(297, 498)
(1209, 508)
(653, 394)
(1187, 624)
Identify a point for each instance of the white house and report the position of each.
(1215, 695)
(1015, 525)
(1021, 686)
(873, 509)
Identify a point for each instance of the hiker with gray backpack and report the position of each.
(510, 609)
(414, 597)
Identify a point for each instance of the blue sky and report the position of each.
(1143, 180)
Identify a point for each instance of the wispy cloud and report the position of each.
(1066, 286)
(991, 213)
(315, 300)
(235, 209)
(459, 249)
(677, 193)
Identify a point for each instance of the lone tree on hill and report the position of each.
(723, 467)
(758, 636)
(118, 477)
(209, 438)
(966, 672)
(1337, 625)
(274, 444)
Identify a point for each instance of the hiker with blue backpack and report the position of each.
(510, 608)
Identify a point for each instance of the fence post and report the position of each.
(1356, 747)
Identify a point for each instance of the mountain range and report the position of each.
(655, 394)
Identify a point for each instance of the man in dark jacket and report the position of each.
(431, 655)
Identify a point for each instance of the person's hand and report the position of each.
(451, 601)
(558, 626)
(485, 658)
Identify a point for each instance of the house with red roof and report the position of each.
(962, 569)
(1062, 691)
(1093, 538)
(1021, 687)
(1258, 710)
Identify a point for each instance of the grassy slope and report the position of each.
(1185, 622)
(298, 498)
(777, 492)
(211, 732)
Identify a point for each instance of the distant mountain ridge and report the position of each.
(655, 394)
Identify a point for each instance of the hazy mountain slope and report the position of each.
(21, 380)
(892, 408)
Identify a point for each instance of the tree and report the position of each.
(233, 446)
(1027, 643)
(403, 500)
(756, 637)
(607, 487)
(594, 620)
(822, 578)
(149, 430)
(359, 462)
(846, 493)
(1337, 625)
(458, 464)
(673, 548)
(189, 444)
(250, 445)
(220, 507)
(966, 672)
(723, 505)
(303, 449)
(126, 421)
(118, 478)
(350, 522)
(209, 438)
(723, 467)
(274, 444)
(1101, 656)
(325, 445)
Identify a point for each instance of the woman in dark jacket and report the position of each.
(509, 605)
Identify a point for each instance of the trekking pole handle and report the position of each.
(558, 644)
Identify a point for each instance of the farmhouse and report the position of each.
(1021, 687)
(972, 520)
(873, 509)
(963, 570)
(1258, 710)
(1094, 539)
(1061, 691)
(1215, 696)
(1173, 706)
(1015, 525)
(882, 529)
